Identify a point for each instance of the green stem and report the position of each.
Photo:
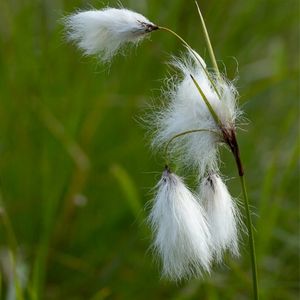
(196, 57)
(251, 239)
(182, 134)
(206, 35)
(210, 108)
(230, 139)
(13, 247)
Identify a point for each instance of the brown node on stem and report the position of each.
(149, 27)
(230, 139)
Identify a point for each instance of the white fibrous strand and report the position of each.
(104, 32)
(222, 215)
(186, 110)
(182, 238)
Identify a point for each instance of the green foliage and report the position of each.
(75, 167)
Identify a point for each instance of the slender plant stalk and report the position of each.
(191, 49)
(206, 35)
(230, 139)
(13, 245)
(211, 110)
(251, 238)
(182, 134)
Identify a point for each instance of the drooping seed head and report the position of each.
(181, 235)
(222, 215)
(104, 32)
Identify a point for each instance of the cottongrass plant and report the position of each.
(191, 228)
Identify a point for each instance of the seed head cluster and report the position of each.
(191, 228)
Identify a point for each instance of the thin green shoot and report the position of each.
(210, 108)
(209, 46)
(183, 134)
(211, 80)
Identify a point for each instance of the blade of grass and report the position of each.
(271, 208)
(209, 46)
(13, 247)
(129, 189)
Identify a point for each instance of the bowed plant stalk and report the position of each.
(191, 229)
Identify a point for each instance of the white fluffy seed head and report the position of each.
(186, 110)
(182, 238)
(222, 215)
(104, 32)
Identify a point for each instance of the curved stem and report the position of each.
(175, 34)
(196, 57)
(182, 134)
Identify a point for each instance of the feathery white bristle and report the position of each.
(105, 31)
(182, 237)
(222, 215)
(186, 110)
(227, 108)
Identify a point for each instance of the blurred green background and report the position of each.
(75, 166)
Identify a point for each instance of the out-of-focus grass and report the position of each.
(75, 167)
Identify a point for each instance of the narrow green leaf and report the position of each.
(129, 189)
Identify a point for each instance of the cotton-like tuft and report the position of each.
(182, 238)
(186, 110)
(104, 32)
(222, 215)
